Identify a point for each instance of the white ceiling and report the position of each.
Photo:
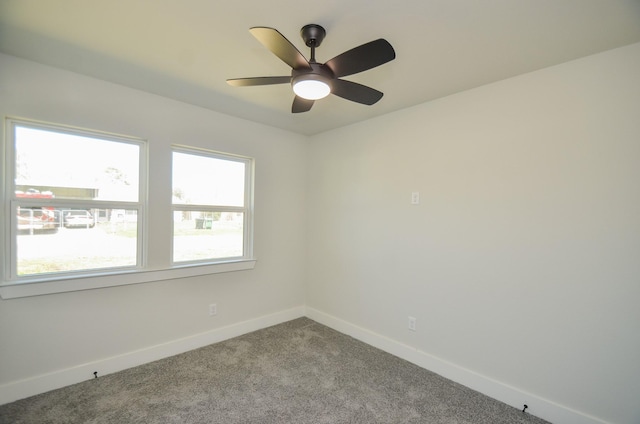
(186, 49)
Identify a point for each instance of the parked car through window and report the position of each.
(78, 218)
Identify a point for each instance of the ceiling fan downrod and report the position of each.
(313, 34)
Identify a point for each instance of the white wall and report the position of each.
(522, 261)
(44, 339)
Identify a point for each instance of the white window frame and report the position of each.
(246, 209)
(11, 202)
(12, 286)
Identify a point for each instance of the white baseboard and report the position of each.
(537, 406)
(21, 389)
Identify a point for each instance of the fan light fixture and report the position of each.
(311, 87)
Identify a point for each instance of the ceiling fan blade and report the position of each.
(301, 105)
(280, 46)
(246, 82)
(361, 58)
(355, 92)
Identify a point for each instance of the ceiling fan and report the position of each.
(311, 80)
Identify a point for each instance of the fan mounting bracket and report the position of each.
(312, 34)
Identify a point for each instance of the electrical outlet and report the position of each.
(412, 324)
(213, 309)
(415, 198)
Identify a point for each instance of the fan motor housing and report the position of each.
(317, 72)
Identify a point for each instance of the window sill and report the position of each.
(37, 288)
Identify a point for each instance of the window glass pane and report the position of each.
(200, 235)
(74, 239)
(206, 180)
(75, 167)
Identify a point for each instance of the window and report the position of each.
(74, 201)
(75, 211)
(211, 206)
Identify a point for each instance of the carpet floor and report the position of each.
(296, 372)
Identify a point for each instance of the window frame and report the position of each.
(11, 202)
(12, 287)
(246, 209)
